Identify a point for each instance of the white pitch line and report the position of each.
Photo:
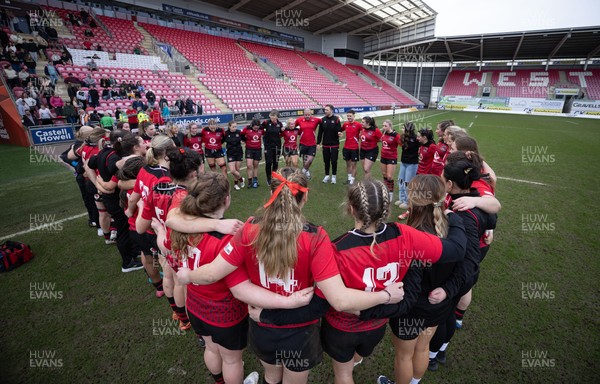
(521, 181)
(43, 226)
(571, 122)
(470, 125)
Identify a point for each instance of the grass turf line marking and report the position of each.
(44, 226)
(571, 122)
(521, 181)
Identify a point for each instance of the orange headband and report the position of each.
(293, 187)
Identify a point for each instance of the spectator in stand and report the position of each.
(107, 122)
(65, 58)
(200, 110)
(24, 77)
(93, 97)
(69, 112)
(82, 97)
(88, 33)
(30, 101)
(189, 106)
(85, 16)
(107, 94)
(14, 61)
(88, 80)
(122, 93)
(82, 117)
(104, 82)
(162, 102)
(118, 114)
(132, 118)
(30, 64)
(11, 75)
(94, 118)
(137, 103)
(22, 105)
(87, 44)
(73, 20)
(91, 65)
(42, 44)
(72, 91)
(137, 51)
(45, 115)
(57, 103)
(112, 81)
(151, 97)
(180, 105)
(51, 71)
(166, 112)
(155, 117)
(142, 116)
(32, 48)
(72, 80)
(11, 47)
(29, 120)
(93, 24)
(56, 59)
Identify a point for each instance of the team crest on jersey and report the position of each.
(228, 248)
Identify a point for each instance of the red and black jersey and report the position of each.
(214, 303)
(147, 179)
(159, 200)
(398, 247)
(162, 206)
(315, 262)
(252, 137)
(369, 138)
(147, 140)
(389, 145)
(426, 152)
(105, 162)
(308, 128)
(290, 138)
(194, 143)
(439, 158)
(131, 220)
(86, 152)
(213, 140)
(352, 134)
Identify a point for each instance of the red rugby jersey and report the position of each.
(352, 134)
(439, 159)
(398, 247)
(165, 206)
(214, 303)
(316, 262)
(369, 138)
(253, 138)
(389, 145)
(425, 158)
(86, 152)
(290, 138)
(147, 178)
(213, 140)
(194, 143)
(308, 128)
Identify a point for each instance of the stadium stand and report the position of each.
(397, 96)
(229, 73)
(588, 80)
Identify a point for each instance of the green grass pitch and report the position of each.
(534, 317)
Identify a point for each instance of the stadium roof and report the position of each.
(567, 43)
(358, 17)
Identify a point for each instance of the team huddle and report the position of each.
(276, 281)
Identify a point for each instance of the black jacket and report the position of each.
(272, 137)
(328, 131)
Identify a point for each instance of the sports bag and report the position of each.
(14, 254)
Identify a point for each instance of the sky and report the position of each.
(469, 17)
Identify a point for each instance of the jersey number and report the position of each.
(288, 284)
(388, 274)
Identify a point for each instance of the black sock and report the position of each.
(218, 378)
(182, 314)
(459, 313)
(171, 301)
(159, 285)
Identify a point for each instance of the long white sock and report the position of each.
(444, 346)
(349, 176)
(414, 381)
(432, 355)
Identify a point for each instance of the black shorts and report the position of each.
(234, 157)
(370, 154)
(290, 152)
(254, 154)
(145, 242)
(298, 349)
(350, 154)
(389, 161)
(213, 153)
(341, 345)
(234, 338)
(409, 327)
(306, 150)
